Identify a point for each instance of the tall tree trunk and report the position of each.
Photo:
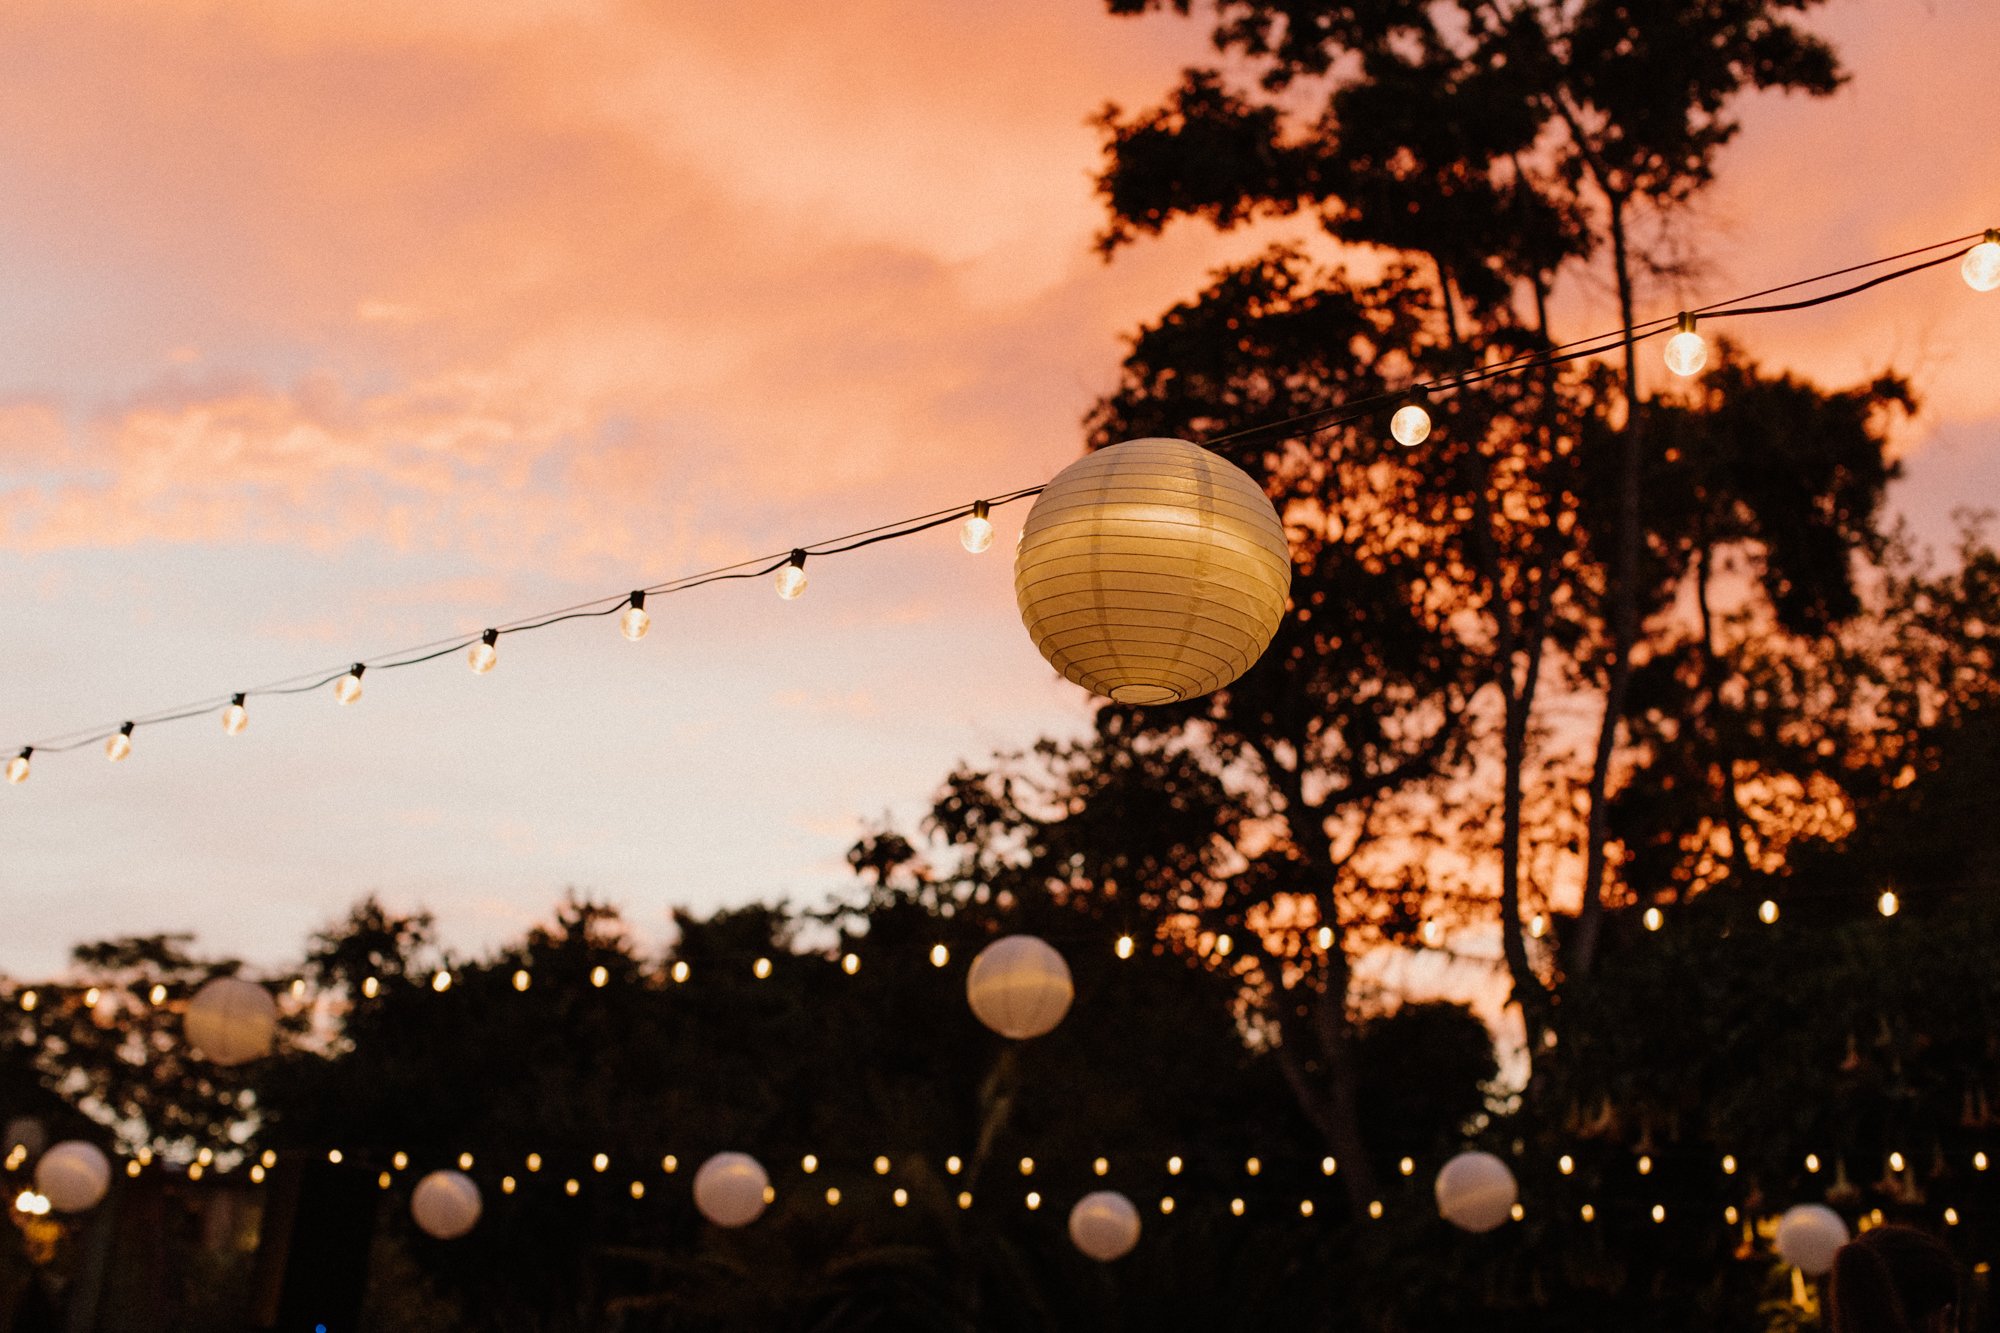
(1712, 665)
(1329, 1097)
(1520, 707)
(1624, 613)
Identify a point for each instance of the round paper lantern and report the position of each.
(445, 1204)
(1808, 1235)
(729, 1189)
(232, 1021)
(73, 1176)
(1104, 1225)
(1476, 1192)
(1019, 986)
(1152, 571)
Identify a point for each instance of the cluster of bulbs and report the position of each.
(1887, 903)
(975, 535)
(1687, 350)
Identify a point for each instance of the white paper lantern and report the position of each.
(1152, 571)
(1104, 1225)
(73, 1176)
(729, 1189)
(1019, 986)
(1476, 1192)
(1808, 1234)
(231, 1021)
(445, 1204)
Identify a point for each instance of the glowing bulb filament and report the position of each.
(1687, 351)
(348, 688)
(792, 576)
(484, 654)
(635, 622)
(977, 533)
(1412, 423)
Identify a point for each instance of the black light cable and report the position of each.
(789, 567)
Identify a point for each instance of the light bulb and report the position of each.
(1653, 920)
(348, 688)
(977, 533)
(120, 746)
(792, 576)
(235, 717)
(1888, 904)
(1767, 912)
(635, 622)
(1687, 351)
(1982, 264)
(1411, 425)
(484, 654)
(17, 767)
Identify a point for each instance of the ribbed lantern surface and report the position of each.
(1152, 571)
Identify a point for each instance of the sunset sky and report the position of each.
(332, 328)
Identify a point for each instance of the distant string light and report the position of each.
(634, 623)
(1982, 264)
(482, 656)
(1687, 350)
(1411, 425)
(119, 747)
(348, 688)
(792, 576)
(976, 533)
